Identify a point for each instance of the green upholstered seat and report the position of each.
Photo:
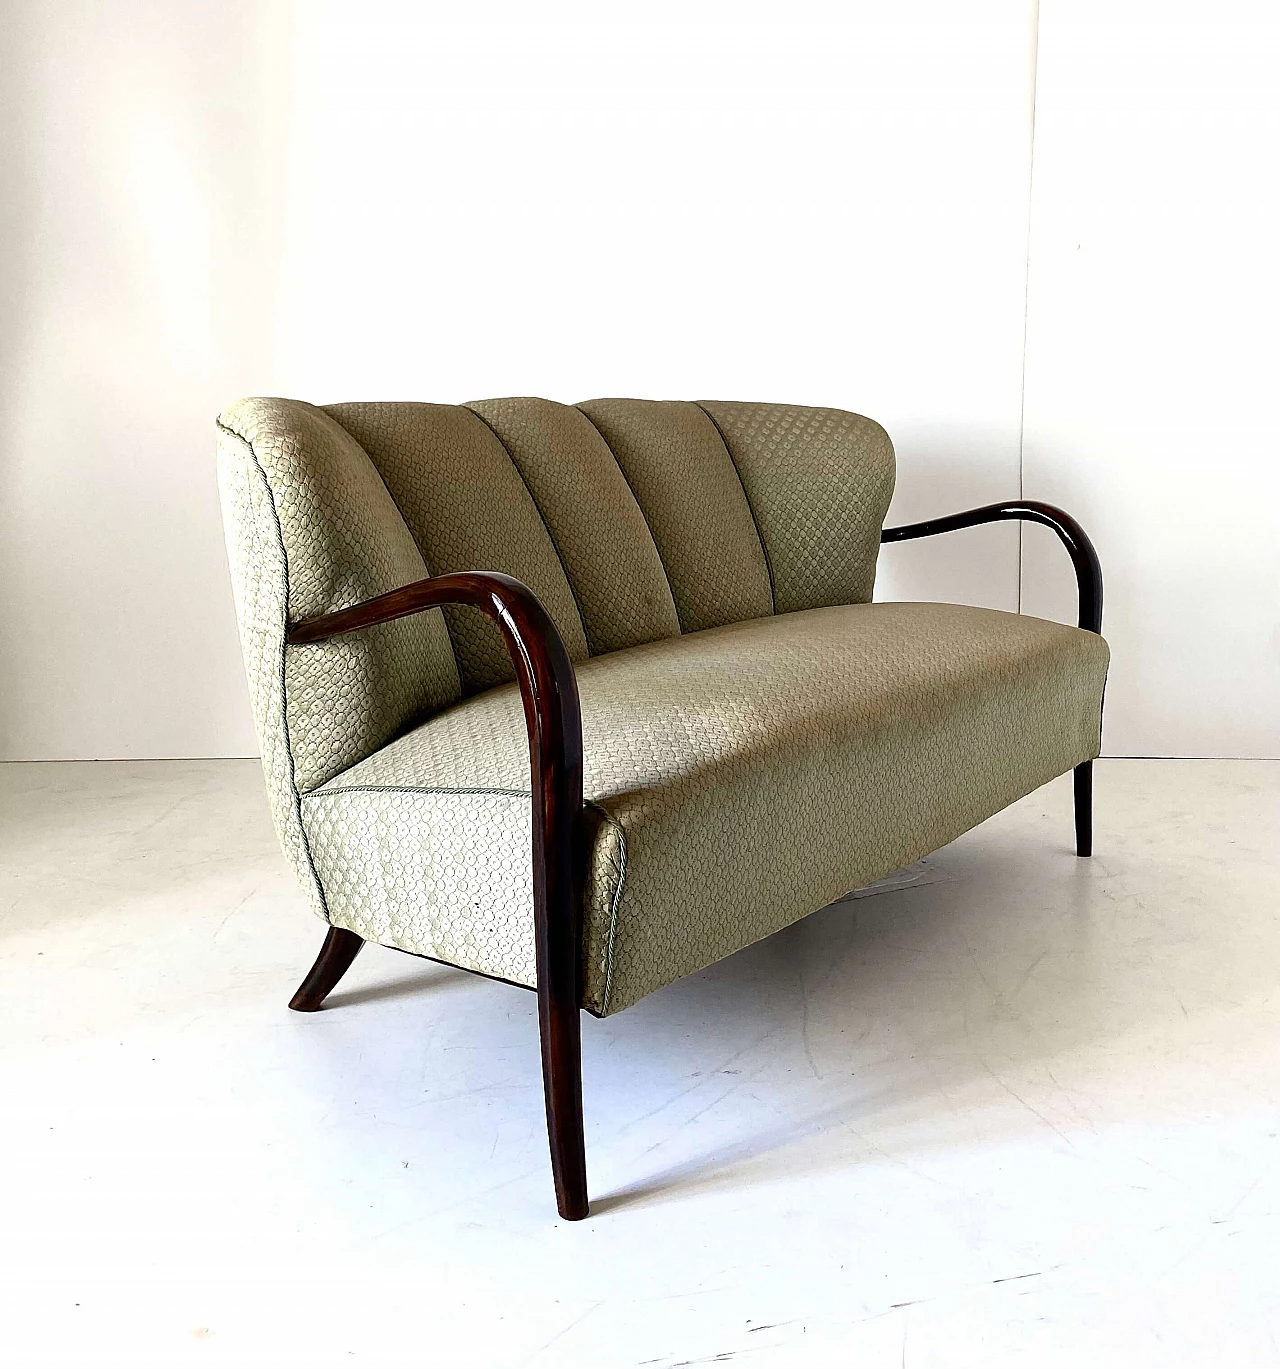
(739, 778)
(759, 738)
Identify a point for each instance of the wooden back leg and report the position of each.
(1084, 808)
(339, 950)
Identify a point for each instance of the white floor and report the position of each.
(1021, 1111)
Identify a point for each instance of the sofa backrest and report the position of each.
(634, 519)
(631, 520)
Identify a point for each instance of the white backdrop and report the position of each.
(814, 203)
(1153, 356)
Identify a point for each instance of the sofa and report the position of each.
(587, 697)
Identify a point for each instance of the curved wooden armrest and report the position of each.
(548, 687)
(1074, 538)
(553, 717)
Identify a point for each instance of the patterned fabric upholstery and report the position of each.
(468, 509)
(740, 778)
(599, 530)
(759, 738)
(819, 483)
(311, 528)
(685, 480)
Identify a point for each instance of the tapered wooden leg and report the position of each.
(560, 1027)
(1084, 809)
(339, 950)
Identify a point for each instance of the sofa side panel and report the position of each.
(259, 581)
(439, 873)
(303, 502)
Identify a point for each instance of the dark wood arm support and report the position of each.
(1088, 581)
(1074, 538)
(549, 691)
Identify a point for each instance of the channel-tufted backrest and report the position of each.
(630, 519)
(634, 519)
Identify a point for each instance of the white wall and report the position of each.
(375, 201)
(370, 201)
(141, 146)
(1153, 356)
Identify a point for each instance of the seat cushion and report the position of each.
(737, 779)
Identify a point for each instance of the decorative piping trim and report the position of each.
(613, 904)
(755, 522)
(414, 789)
(284, 687)
(1102, 702)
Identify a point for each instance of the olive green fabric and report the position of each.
(819, 483)
(738, 779)
(604, 543)
(743, 768)
(684, 479)
(633, 520)
(469, 509)
(311, 528)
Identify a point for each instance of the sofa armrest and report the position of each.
(1083, 557)
(549, 691)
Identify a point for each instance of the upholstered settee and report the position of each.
(586, 698)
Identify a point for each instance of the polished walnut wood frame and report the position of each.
(549, 693)
(554, 721)
(1088, 582)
